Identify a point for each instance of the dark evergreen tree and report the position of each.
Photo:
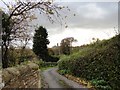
(40, 43)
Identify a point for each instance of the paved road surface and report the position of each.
(55, 80)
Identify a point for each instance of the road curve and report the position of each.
(55, 80)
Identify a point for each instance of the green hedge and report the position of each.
(47, 64)
(100, 63)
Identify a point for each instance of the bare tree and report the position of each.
(66, 45)
(19, 14)
(22, 42)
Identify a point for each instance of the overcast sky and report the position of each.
(92, 19)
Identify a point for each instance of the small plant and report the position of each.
(63, 72)
(100, 84)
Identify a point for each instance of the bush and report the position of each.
(99, 62)
(100, 84)
(47, 64)
(64, 72)
(53, 59)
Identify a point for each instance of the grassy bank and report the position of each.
(98, 63)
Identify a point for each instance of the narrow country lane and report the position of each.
(55, 80)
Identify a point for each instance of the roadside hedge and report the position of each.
(98, 63)
(47, 64)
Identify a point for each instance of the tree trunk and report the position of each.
(5, 56)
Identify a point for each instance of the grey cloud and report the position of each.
(109, 20)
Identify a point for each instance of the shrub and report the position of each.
(47, 64)
(64, 72)
(100, 84)
(98, 62)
